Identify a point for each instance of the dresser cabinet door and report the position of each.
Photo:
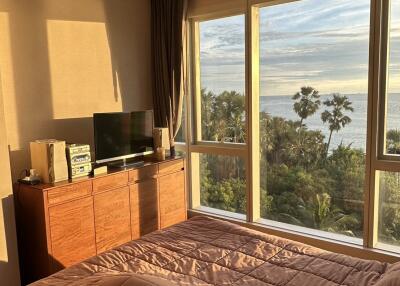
(72, 232)
(144, 208)
(172, 199)
(112, 218)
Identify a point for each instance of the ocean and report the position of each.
(354, 133)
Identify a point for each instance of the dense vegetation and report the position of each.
(304, 180)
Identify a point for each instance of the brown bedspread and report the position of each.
(204, 251)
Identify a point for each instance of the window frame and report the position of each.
(195, 144)
(380, 161)
(196, 78)
(376, 159)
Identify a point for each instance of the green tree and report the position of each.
(228, 116)
(327, 217)
(346, 167)
(207, 106)
(336, 117)
(297, 186)
(307, 102)
(322, 208)
(389, 205)
(393, 141)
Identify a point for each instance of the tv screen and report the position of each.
(122, 135)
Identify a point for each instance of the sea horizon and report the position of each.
(354, 134)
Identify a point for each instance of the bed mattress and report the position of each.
(206, 251)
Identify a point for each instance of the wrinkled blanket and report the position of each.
(206, 251)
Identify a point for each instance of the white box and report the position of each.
(48, 157)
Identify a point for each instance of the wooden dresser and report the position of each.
(64, 223)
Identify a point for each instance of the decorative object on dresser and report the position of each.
(99, 170)
(161, 138)
(63, 223)
(48, 158)
(31, 177)
(79, 160)
(161, 142)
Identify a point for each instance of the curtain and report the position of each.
(169, 33)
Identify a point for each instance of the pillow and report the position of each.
(391, 277)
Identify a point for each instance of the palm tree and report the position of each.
(336, 117)
(307, 102)
(322, 206)
(207, 102)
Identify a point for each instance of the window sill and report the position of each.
(315, 233)
(221, 213)
(388, 247)
(327, 241)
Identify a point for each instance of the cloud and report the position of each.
(324, 43)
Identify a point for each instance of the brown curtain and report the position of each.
(169, 19)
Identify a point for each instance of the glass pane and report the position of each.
(180, 137)
(393, 88)
(389, 208)
(222, 72)
(222, 183)
(313, 113)
(181, 152)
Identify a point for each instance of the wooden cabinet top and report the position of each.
(111, 171)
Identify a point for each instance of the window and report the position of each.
(222, 74)
(389, 209)
(393, 83)
(217, 163)
(387, 178)
(313, 113)
(222, 183)
(295, 117)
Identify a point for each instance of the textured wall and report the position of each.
(61, 61)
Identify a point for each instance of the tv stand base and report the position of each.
(126, 164)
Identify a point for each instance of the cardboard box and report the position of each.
(48, 157)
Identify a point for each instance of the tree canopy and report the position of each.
(301, 182)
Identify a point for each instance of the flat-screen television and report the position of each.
(122, 135)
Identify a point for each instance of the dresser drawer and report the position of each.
(170, 167)
(143, 173)
(110, 182)
(69, 192)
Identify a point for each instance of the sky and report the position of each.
(321, 43)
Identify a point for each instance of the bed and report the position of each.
(206, 251)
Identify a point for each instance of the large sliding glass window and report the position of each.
(222, 79)
(393, 82)
(219, 178)
(295, 117)
(313, 113)
(387, 200)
